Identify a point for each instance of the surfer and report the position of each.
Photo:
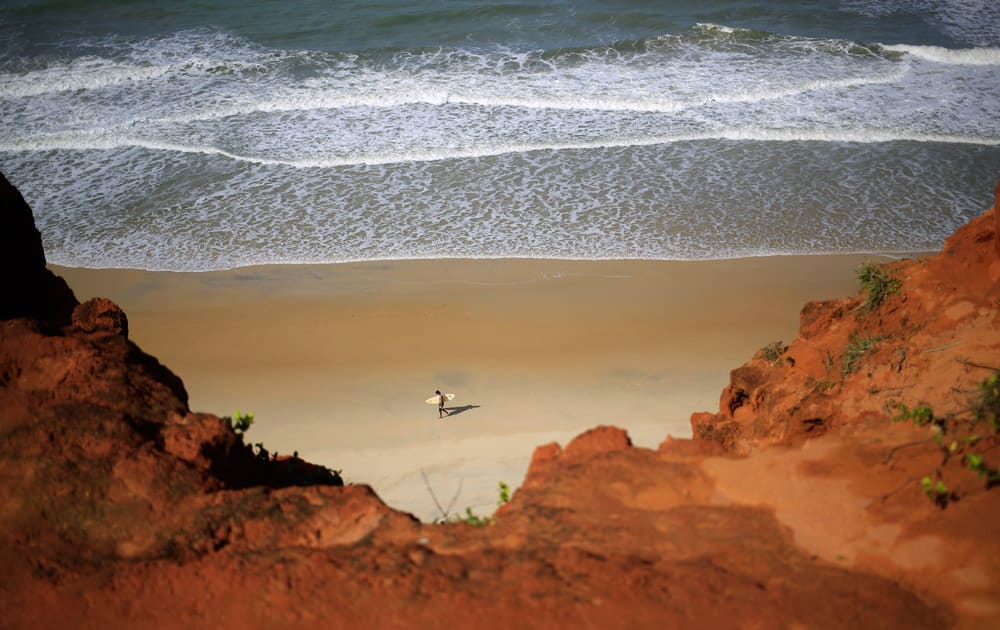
(442, 412)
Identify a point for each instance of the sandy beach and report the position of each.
(335, 361)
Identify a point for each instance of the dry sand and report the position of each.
(335, 361)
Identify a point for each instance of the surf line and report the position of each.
(91, 142)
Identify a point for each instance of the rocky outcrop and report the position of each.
(854, 364)
(101, 458)
(996, 217)
(120, 507)
(884, 411)
(100, 316)
(27, 287)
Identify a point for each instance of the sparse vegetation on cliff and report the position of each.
(279, 471)
(470, 517)
(858, 347)
(239, 422)
(960, 435)
(878, 284)
(473, 519)
(116, 493)
(773, 353)
(920, 415)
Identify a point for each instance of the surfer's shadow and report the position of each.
(454, 411)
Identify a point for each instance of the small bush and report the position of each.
(921, 415)
(936, 492)
(239, 422)
(986, 408)
(977, 464)
(772, 353)
(957, 436)
(856, 349)
(472, 518)
(504, 494)
(878, 284)
(823, 386)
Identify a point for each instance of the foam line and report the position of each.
(959, 57)
(335, 100)
(75, 78)
(84, 142)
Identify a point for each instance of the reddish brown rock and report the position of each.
(996, 217)
(601, 439)
(851, 365)
(121, 508)
(674, 447)
(100, 316)
(542, 461)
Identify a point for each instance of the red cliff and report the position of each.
(799, 504)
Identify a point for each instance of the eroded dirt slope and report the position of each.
(798, 505)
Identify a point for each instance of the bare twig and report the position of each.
(906, 484)
(443, 511)
(458, 491)
(978, 365)
(433, 496)
(945, 347)
(893, 450)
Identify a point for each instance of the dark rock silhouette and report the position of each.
(27, 288)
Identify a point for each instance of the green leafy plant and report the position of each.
(239, 422)
(471, 518)
(504, 494)
(878, 284)
(823, 386)
(858, 347)
(921, 415)
(936, 492)
(772, 353)
(958, 434)
(977, 464)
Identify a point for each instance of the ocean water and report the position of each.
(210, 134)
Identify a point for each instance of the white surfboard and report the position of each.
(433, 400)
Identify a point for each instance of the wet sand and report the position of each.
(335, 361)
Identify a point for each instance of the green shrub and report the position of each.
(471, 518)
(921, 415)
(772, 353)
(957, 435)
(504, 494)
(977, 464)
(823, 386)
(936, 492)
(856, 349)
(878, 284)
(239, 422)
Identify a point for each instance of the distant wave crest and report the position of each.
(92, 141)
(81, 74)
(962, 57)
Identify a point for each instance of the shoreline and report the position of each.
(336, 360)
(880, 255)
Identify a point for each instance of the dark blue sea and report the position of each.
(209, 134)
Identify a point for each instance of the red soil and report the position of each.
(797, 505)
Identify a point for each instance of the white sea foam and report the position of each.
(230, 155)
(81, 74)
(962, 57)
(337, 99)
(99, 142)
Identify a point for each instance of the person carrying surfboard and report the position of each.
(442, 412)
